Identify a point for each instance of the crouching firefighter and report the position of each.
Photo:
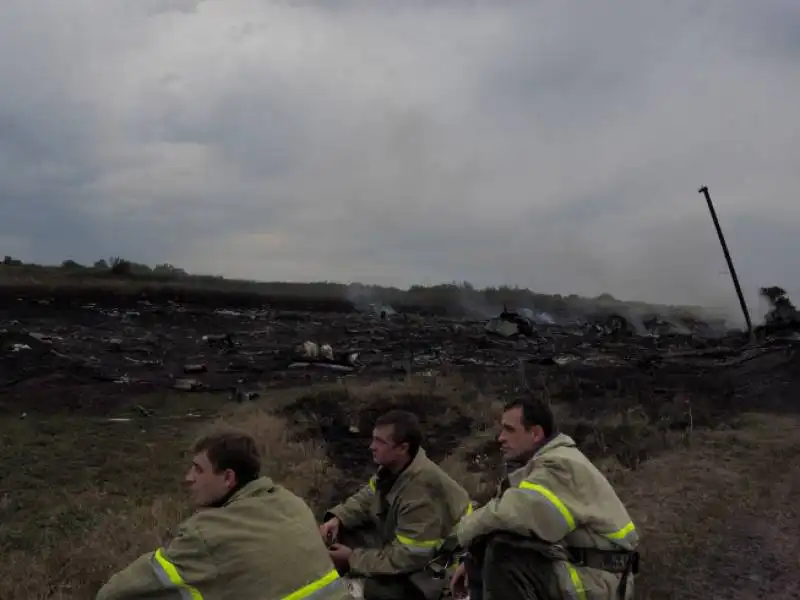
(251, 539)
(388, 531)
(556, 528)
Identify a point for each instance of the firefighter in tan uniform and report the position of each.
(251, 539)
(390, 529)
(555, 530)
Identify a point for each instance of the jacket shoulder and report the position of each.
(432, 481)
(288, 498)
(192, 532)
(198, 525)
(565, 466)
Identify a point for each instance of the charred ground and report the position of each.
(100, 395)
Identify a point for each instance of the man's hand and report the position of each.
(329, 530)
(340, 555)
(459, 582)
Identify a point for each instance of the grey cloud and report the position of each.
(558, 145)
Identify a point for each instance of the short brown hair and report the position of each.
(535, 411)
(232, 450)
(405, 428)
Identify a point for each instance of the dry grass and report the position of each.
(721, 516)
(302, 467)
(81, 497)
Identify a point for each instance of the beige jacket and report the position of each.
(263, 544)
(412, 516)
(560, 497)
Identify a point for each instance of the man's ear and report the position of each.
(230, 477)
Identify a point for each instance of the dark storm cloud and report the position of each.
(558, 145)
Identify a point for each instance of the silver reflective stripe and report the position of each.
(625, 537)
(559, 513)
(418, 546)
(169, 577)
(571, 580)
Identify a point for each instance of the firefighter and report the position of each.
(250, 539)
(388, 531)
(556, 528)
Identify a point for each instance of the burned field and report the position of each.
(99, 399)
(90, 358)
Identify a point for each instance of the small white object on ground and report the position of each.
(355, 587)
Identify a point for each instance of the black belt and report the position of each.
(619, 562)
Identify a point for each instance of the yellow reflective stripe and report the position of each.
(468, 510)
(372, 485)
(314, 586)
(187, 591)
(407, 541)
(577, 581)
(621, 533)
(554, 500)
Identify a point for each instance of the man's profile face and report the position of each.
(205, 486)
(516, 441)
(385, 451)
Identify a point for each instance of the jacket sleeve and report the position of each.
(181, 566)
(418, 533)
(539, 506)
(355, 510)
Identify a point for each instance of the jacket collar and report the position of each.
(257, 487)
(389, 480)
(518, 470)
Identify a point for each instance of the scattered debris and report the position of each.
(510, 324)
(188, 385)
(52, 355)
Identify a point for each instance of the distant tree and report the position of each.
(71, 264)
(167, 269)
(120, 266)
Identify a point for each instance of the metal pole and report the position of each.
(704, 190)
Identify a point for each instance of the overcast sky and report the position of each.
(557, 145)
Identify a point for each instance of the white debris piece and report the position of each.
(354, 587)
(308, 350)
